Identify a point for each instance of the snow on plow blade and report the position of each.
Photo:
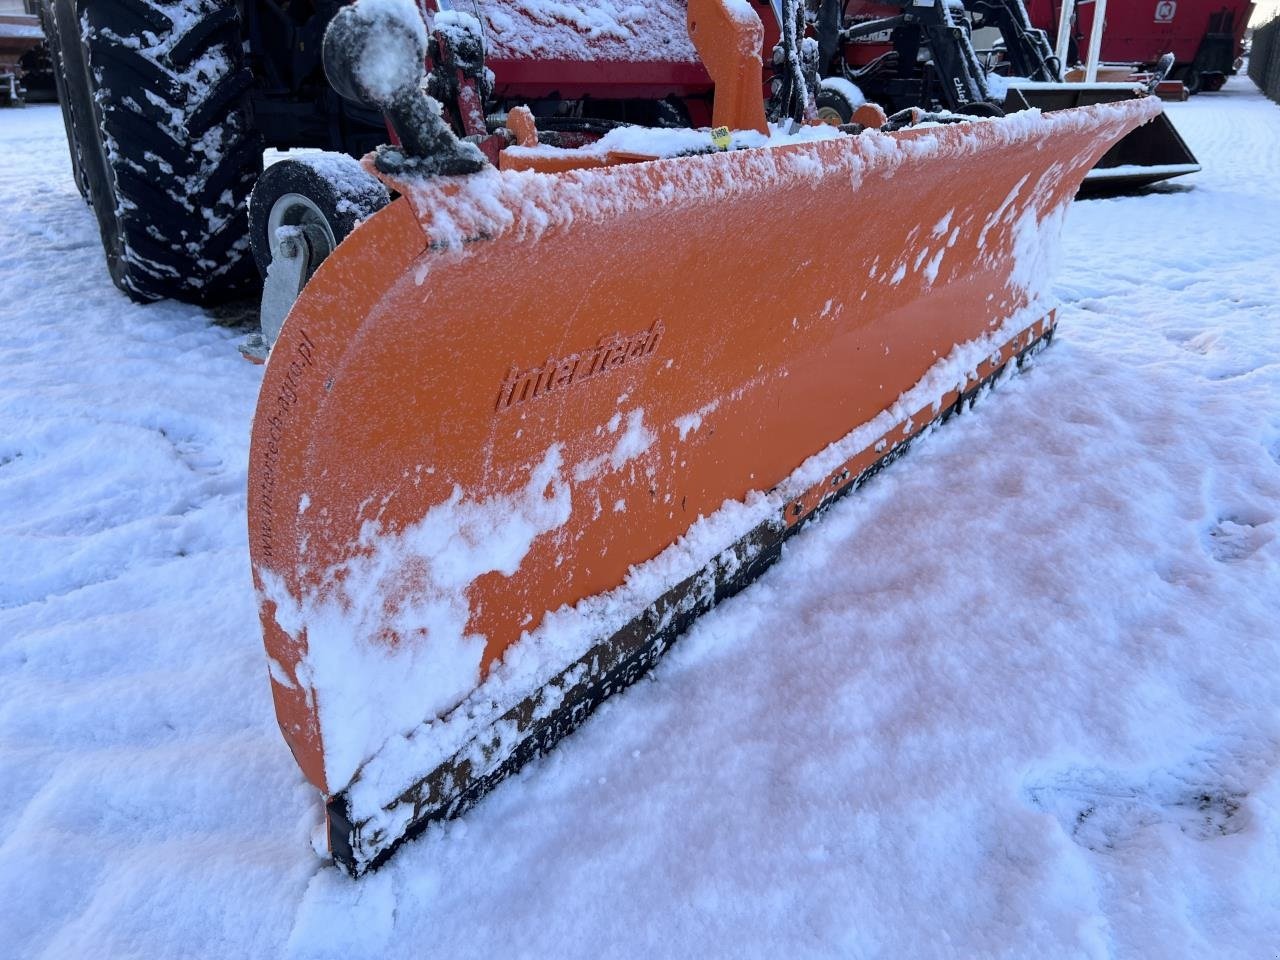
(522, 428)
(1149, 154)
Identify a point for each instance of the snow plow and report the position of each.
(529, 420)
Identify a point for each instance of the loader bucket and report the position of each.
(1151, 153)
(521, 428)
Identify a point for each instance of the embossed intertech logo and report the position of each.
(561, 373)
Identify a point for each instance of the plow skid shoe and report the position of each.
(1149, 154)
(521, 428)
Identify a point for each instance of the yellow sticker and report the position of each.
(720, 137)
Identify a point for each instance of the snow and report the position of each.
(1023, 83)
(1017, 697)
(1123, 170)
(673, 142)
(395, 41)
(357, 191)
(528, 204)
(692, 421)
(20, 31)
(846, 89)
(366, 691)
(382, 801)
(567, 634)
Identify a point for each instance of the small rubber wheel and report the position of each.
(327, 193)
(834, 108)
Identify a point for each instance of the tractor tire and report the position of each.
(156, 103)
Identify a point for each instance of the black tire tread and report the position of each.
(171, 102)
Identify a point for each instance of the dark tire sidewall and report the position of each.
(85, 130)
(49, 24)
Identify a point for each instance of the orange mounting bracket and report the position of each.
(729, 36)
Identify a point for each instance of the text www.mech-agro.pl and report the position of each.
(285, 398)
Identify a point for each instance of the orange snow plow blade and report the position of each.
(495, 416)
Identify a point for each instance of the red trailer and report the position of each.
(1205, 36)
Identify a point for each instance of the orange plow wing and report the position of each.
(521, 428)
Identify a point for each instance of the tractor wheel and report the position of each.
(834, 106)
(156, 96)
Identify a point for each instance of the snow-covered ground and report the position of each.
(1020, 697)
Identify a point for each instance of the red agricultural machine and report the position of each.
(1205, 37)
(565, 363)
(902, 53)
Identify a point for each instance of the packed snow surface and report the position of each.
(578, 30)
(1018, 697)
